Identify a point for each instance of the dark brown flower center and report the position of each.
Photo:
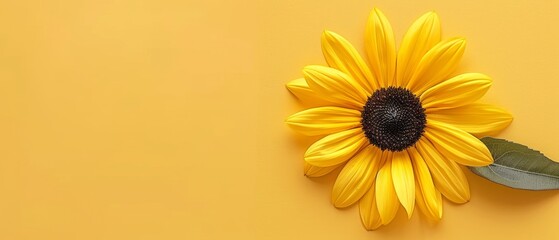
(393, 119)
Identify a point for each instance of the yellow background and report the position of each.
(164, 119)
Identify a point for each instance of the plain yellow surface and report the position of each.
(164, 119)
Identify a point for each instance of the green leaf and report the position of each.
(518, 166)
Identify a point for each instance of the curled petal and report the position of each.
(457, 91)
(447, 175)
(335, 148)
(387, 200)
(356, 177)
(335, 86)
(402, 176)
(324, 120)
(381, 48)
(477, 118)
(428, 198)
(341, 55)
(458, 145)
(368, 210)
(437, 65)
(423, 34)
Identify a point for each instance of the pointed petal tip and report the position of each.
(293, 127)
(306, 69)
(291, 85)
(314, 68)
(336, 201)
(372, 228)
(376, 14)
(377, 11)
(459, 40)
(454, 41)
(339, 205)
(328, 34)
(489, 83)
(458, 199)
(410, 211)
(508, 116)
(462, 199)
(313, 171)
(324, 35)
(288, 121)
(432, 15)
(439, 214)
(436, 216)
(309, 69)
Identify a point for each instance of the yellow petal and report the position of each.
(335, 86)
(381, 48)
(457, 145)
(423, 34)
(421, 203)
(402, 176)
(356, 177)
(437, 65)
(336, 148)
(447, 175)
(370, 216)
(324, 120)
(314, 171)
(301, 90)
(457, 91)
(428, 199)
(477, 118)
(387, 200)
(341, 55)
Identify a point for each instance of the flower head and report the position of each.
(400, 124)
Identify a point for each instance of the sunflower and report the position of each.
(400, 125)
